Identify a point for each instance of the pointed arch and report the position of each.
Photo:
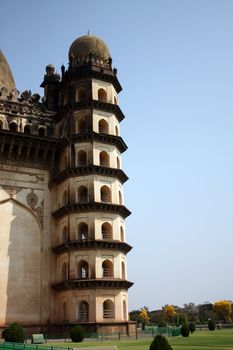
(108, 309)
(102, 95)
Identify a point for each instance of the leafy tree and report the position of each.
(14, 333)
(185, 330)
(169, 313)
(211, 325)
(192, 327)
(77, 334)
(144, 318)
(223, 310)
(205, 312)
(160, 343)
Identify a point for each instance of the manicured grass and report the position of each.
(204, 340)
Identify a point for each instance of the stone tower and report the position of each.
(71, 143)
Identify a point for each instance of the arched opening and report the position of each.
(82, 194)
(106, 230)
(102, 95)
(104, 159)
(83, 311)
(118, 163)
(41, 131)
(81, 94)
(27, 129)
(65, 198)
(116, 131)
(122, 234)
(120, 198)
(13, 126)
(108, 309)
(82, 126)
(83, 269)
(123, 270)
(65, 234)
(115, 100)
(124, 310)
(105, 194)
(103, 127)
(63, 312)
(107, 268)
(82, 158)
(82, 231)
(64, 272)
(1, 124)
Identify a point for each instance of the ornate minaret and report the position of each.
(88, 235)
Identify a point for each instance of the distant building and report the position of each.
(62, 215)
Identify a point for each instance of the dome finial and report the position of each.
(88, 33)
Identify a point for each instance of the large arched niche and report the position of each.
(20, 268)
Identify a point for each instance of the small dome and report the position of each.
(83, 46)
(6, 77)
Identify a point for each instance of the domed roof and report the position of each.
(83, 46)
(6, 77)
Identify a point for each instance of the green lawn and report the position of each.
(204, 340)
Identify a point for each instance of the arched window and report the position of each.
(1, 124)
(120, 198)
(64, 272)
(122, 234)
(42, 131)
(82, 126)
(116, 131)
(103, 127)
(118, 163)
(82, 194)
(83, 311)
(65, 234)
(83, 269)
(13, 126)
(27, 129)
(81, 94)
(65, 198)
(108, 309)
(82, 158)
(63, 312)
(115, 100)
(107, 268)
(104, 159)
(82, 231)
(106, 230)
(124, 310)
(123, 270)
(102, 95)
(105, 194)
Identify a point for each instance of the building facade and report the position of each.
(62, 214)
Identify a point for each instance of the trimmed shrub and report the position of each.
(211, 325)
(185, 330)
(14, 333)
(162, 324)
(160, 343)
(192, 327)
(77, 334)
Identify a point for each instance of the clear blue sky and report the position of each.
(175, 62)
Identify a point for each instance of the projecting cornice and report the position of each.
(89, 170)
(91, 104)
(90, 245)
(91, 207)
(92, 284)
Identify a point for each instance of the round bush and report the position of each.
(192, 327)
(14, 333)
(77, 334)
(160, 343)
(185, 330)
(211, 325)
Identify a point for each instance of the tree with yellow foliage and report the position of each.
(169, 313)
(223, 310)
(144, 318)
